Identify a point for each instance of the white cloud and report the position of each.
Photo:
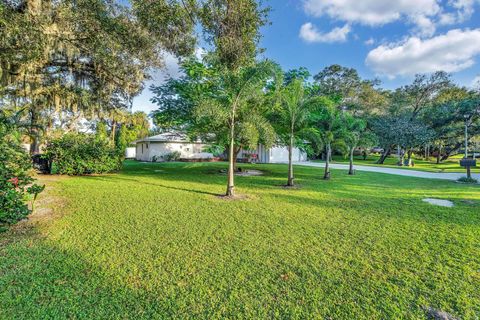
(309, 33)
(423, 14)
(424, 25)
(370, 42)
(371, 12)
(476, 82)
(450, 52)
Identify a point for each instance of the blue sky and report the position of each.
(389, 40)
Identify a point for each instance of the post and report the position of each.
(466, 138)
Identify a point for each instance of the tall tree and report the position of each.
(291, 117)
(222, 107)
(357, 95)
(326, 120)
(84, 54)
(355, 134)
(233, 28)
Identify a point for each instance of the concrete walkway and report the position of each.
(399, 172)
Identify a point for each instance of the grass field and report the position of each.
(450, 165)
(154, 241)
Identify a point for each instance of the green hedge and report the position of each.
(79, 153)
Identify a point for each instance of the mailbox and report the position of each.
(468, 163)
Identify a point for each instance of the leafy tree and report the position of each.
(222, 107)
(422, 92)
(233, 28)
(301, 73)
(82, 57)
(447, 118)
(326, 120)
(355, 134)
(345, 84)
(291, 118)
(134, 127)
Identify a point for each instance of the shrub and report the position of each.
(15, 181)
(79, 153)
(172, 156)
(467, 180)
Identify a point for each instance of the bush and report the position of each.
(78, 153)
(467, 180)
(172, 156)
(15, 181)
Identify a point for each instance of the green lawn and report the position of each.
(155, 242)
(450, 165)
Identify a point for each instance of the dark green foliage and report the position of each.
(15, 166)
(233, 28)
(77, 154)
(468, 180)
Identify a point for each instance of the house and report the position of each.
(157, 147)
(276, 154)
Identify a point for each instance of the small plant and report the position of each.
(172, 156)
(467, 180)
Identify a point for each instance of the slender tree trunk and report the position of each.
(235, 157)
(384, 156)
(326, 176)
(402, 159)
(439, 154)
(290, 182)
(409, 158)
(231, 161)
(35, 145)
(112, 134)
(351, 171)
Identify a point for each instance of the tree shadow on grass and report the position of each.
(142, 182)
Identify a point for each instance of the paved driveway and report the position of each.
(399, 172)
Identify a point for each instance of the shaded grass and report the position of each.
(452, 164)
(155, 242)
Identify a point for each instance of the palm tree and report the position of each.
(327, 123)
(354, 133)
(291, 119)
(230, 103)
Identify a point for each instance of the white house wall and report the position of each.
(159, 149)
(275, 155)
(280, 154)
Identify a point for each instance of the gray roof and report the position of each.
(169, 137)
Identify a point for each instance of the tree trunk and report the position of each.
(402, 159)
(384, 156)
(351, 171)
(409, 158)
(112, 134)
(236, 151)
(290, 182)
(231, 162)
(439, 154)
(326, 176)
(35, 145)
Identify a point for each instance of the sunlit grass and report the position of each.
(156, 242)
(450, 165)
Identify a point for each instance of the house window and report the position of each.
(147, 145)
(142, 147)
